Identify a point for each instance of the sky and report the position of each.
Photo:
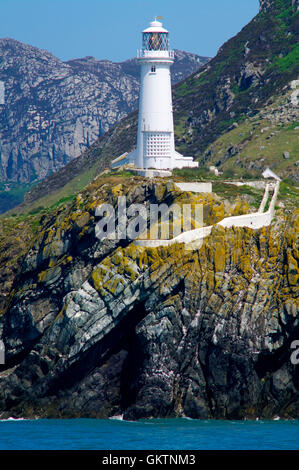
(110, 29)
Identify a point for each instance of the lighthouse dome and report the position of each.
(155, 27)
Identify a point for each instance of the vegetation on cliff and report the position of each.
(211, 327)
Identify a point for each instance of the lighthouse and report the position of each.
(155, 136)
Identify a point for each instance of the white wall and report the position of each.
(155, 109)
(195, 187)
(255, 221)
(265, 199)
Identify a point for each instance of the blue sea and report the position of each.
(166, 434)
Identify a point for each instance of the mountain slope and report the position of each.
(54, 110)
(253, 69)
(248, 70)
(269, 138)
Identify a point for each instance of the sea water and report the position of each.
(166, 434)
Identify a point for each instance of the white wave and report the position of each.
(117, 417)
(14, 419)
(194, 419)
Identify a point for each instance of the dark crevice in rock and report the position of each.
(271, 362)
(209, 393)
(100, 353)
(12, 361)
(131, 370)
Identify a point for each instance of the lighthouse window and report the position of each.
(155, 41)
(153, 69)
(157, 144)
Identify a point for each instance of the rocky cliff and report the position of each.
(98, 328)
(53, 110)
(267, 5)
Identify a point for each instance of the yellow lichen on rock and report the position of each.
(245, 265)
(293, 271)
(83, 220)
(219, 257)
(117, 190)
(98, 275)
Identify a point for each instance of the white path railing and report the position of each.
(255, 221)
(265, 199)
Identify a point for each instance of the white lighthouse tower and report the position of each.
(155, 136)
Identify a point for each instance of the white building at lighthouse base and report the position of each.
(130, 159)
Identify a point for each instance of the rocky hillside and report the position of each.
(185, 64)
(249, 71)
(269, 138)
(98, 328)
(54, 110)
(239, 112)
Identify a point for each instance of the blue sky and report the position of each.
(110, 29)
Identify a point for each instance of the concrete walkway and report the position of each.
(255, 221)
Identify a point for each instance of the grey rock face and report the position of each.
(51, 111)
(152, 333)
(265, 5)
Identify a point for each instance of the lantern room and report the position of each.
(155, 38)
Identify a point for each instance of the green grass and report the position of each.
(63, 200)
(183, 89)
(64, 194)
(42, 209)
(285, 13)
(293, 126)
(121, 173)
(289, 194)
(14, 196)
(232, 192)
(256, 147)
(288, 189)
(289, 62)
(192, 174)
